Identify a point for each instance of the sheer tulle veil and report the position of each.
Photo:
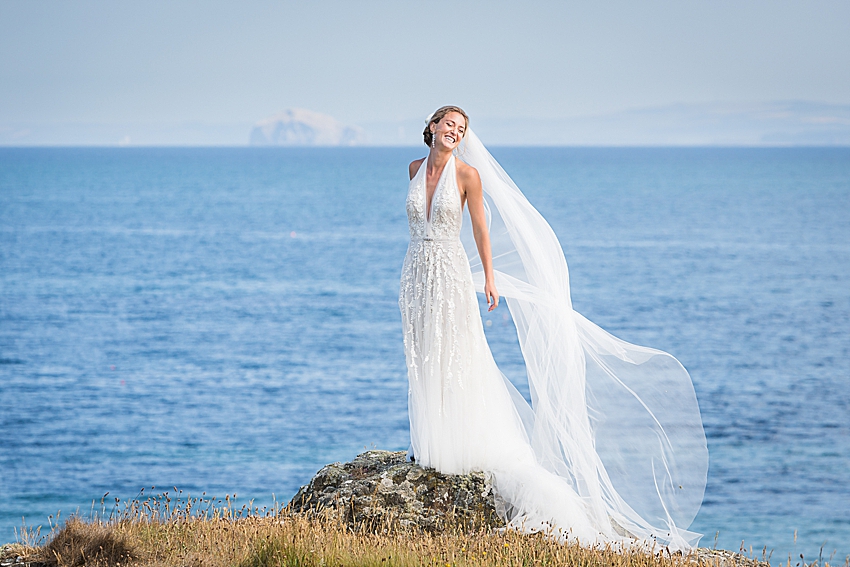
(619, 422)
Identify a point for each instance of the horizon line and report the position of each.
(399, 146)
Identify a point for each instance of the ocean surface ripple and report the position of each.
(225, 320)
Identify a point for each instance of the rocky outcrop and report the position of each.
(300, 127)
(382, 488)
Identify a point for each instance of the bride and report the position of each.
(611, 449)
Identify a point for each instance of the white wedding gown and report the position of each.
(612, 448)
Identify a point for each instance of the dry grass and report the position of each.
(82, 543)
(210, 533)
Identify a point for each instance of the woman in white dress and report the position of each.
(612, 449)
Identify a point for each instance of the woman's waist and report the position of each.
(441, 238)
(435, 248)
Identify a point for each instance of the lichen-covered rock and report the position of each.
(383, 489)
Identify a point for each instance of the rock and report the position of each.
(300, 127)
(382, 488)
(11, 555)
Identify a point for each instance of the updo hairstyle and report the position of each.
(437, 116)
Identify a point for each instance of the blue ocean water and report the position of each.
(225, 320)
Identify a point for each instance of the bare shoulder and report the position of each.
(414, 166)
(468, 176)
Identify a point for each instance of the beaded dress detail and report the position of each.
(454, 380)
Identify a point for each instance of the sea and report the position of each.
(224, 321)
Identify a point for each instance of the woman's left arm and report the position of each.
(471, 183)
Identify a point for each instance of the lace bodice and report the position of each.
(446, 216)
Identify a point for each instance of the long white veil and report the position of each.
(619, 422)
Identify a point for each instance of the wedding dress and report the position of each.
(612, 448)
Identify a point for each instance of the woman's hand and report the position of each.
(492, 295)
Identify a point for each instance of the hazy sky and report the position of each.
(237, 62)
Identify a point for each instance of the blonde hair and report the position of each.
(437, 116)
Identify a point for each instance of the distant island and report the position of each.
(724, 123)
(767, 123)
(301, 127)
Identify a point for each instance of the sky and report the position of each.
(219, 67)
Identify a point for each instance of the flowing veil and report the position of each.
(619, 422)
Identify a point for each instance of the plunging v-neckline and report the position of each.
(429, 205)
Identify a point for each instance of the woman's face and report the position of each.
(449, 130)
